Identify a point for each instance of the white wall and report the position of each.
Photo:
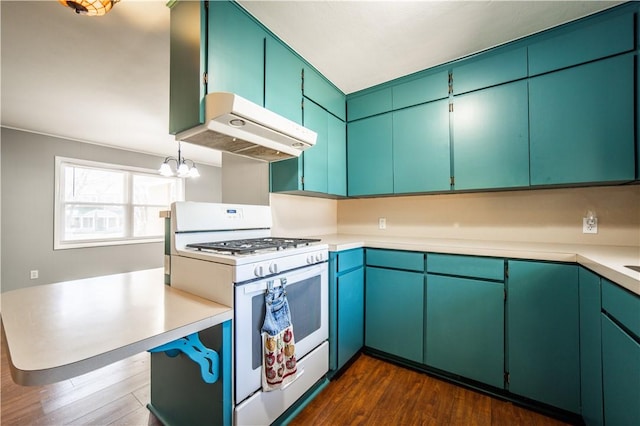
(27, 168)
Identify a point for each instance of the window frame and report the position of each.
(128, 203)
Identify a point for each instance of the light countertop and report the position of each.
(607, 261)
(58, 331)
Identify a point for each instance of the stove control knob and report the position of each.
(319, 257)
(259, 271)
(273, 268)
(310, 259)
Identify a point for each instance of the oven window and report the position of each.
(304, 303)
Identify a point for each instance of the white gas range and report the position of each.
(226, 253)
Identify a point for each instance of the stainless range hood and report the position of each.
(236, 125)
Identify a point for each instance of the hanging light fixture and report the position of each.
(90, 7)
(182, 168)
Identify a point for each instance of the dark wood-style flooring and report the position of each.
(375, 392)
(370, 392)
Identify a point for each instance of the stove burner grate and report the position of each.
(252, 245)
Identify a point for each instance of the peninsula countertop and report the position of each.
(608, 261)
(57, 331)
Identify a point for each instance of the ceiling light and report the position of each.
(182, 167)
(90, 7)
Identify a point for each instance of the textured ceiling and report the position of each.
(106, 80)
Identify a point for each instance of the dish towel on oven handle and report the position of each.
(279, 365)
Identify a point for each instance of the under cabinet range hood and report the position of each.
(236, 125)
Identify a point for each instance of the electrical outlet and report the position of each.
(33, 274)
(589, 225)
(382, 223)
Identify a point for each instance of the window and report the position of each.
(104, 204)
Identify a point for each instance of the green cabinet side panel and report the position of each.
(350, 315)
(465, 328)
(317, 88)
(186, 44)
(543, 333)
(582, 123)
(337, 156)
(491, 138)
(590, 348)
(423, 89)
(489, 70)
(582, 44)
(490, 268)
(370, 156)
(394, 312)
(621, 376)
(315, 159)
(421, 154)
(368, 104)
(283, 81)
(622, 305)
(286, 175)
(396, 259)
(236, 52)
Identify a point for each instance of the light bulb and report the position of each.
(183, 170)
(165, 170)
(194, 173)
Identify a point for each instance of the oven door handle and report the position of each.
(292, 279)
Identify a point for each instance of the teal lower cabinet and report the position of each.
(465, 328)
(620, 355)
(590, 348)
(346, 301)
(543, 346)
(394, 312)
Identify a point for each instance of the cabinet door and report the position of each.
(369, 103)
(187, 45)
(582, 123)
(590, 348)
(621, 375)
(543, 333)
(236, 52)
(350, 315)
(491, 138)
(283, 81)
(465, 328)
(490, 69)
(394, 306)
(421, 157)
(315, 159)
(337, 156)
(318, 88)
(369, 159)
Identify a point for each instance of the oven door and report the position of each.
(307, 293)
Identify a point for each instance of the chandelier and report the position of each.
(90, 7)
(182, 167)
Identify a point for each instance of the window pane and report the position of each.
(91, 222)
(153, 190)
(93, 185)
(147, 222)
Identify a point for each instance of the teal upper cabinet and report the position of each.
(489, 70)
(491, 138)
(543, 333)
(318, 89)
(369, 156)
(582, 43)
(320, 169)
(582, 123)
(337, 156)
(283, 81)
(369, 103)
(236, 52)
(421, 155)
(423, 89)
(315, 159)
(187, 65)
